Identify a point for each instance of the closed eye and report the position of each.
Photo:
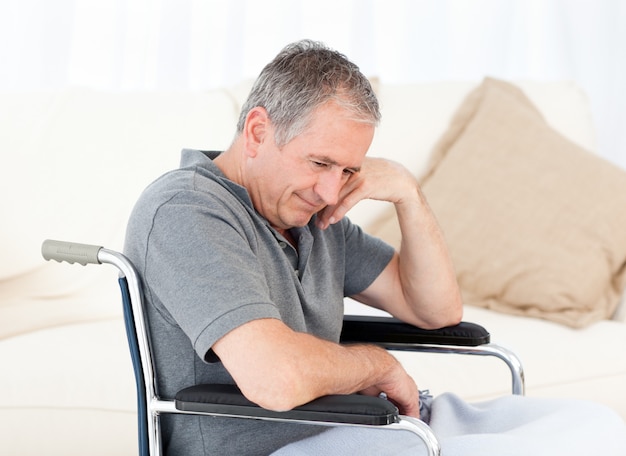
(324, 164)
(320, 164)
(346, 171)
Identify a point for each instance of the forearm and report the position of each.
(419, 285)
(300, 368)
(359, 368)
(425, 269)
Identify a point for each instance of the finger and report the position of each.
(412, 410)
(405, 408)
(350, 195)
(409, 409)
(347, 199)
(324, 216)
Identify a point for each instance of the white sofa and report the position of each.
(74, 162)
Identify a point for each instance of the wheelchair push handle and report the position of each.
(71, 252)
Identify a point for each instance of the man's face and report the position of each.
(289, 185)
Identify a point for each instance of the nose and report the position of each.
(328, 187)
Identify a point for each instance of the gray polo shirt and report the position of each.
(210, 263)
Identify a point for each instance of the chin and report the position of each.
(299, 222)
(302, 223)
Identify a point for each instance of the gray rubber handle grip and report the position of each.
(70, 251)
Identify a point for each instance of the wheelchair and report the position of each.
(227, 401)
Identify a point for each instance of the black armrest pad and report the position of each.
(367, 329)
(228, 400)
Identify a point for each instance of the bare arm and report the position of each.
(419, 284)
(279, 369)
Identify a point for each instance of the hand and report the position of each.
(378, 179)
(401, 390)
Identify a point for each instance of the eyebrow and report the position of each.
(330, 161)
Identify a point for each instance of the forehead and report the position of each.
(334, 135)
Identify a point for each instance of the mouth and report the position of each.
(313, 206)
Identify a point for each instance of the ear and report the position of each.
(255, 130)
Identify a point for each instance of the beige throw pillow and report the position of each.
(535, 224)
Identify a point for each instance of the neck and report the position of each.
(230, 162)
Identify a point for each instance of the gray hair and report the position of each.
(303, 76)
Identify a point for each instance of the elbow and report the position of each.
(456, 317)
(451, 312)
(281, 391)
(449, 315)
(439, 323)
(454, 313)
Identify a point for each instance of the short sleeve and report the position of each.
(198, 252)
(366, 257)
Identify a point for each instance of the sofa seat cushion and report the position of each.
(68, 390)
(82, 365)
(559, 361)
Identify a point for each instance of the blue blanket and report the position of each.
(508, 426)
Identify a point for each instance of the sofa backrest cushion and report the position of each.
(74, 163)
(534, 222)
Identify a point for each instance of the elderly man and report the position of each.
(246, 256)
